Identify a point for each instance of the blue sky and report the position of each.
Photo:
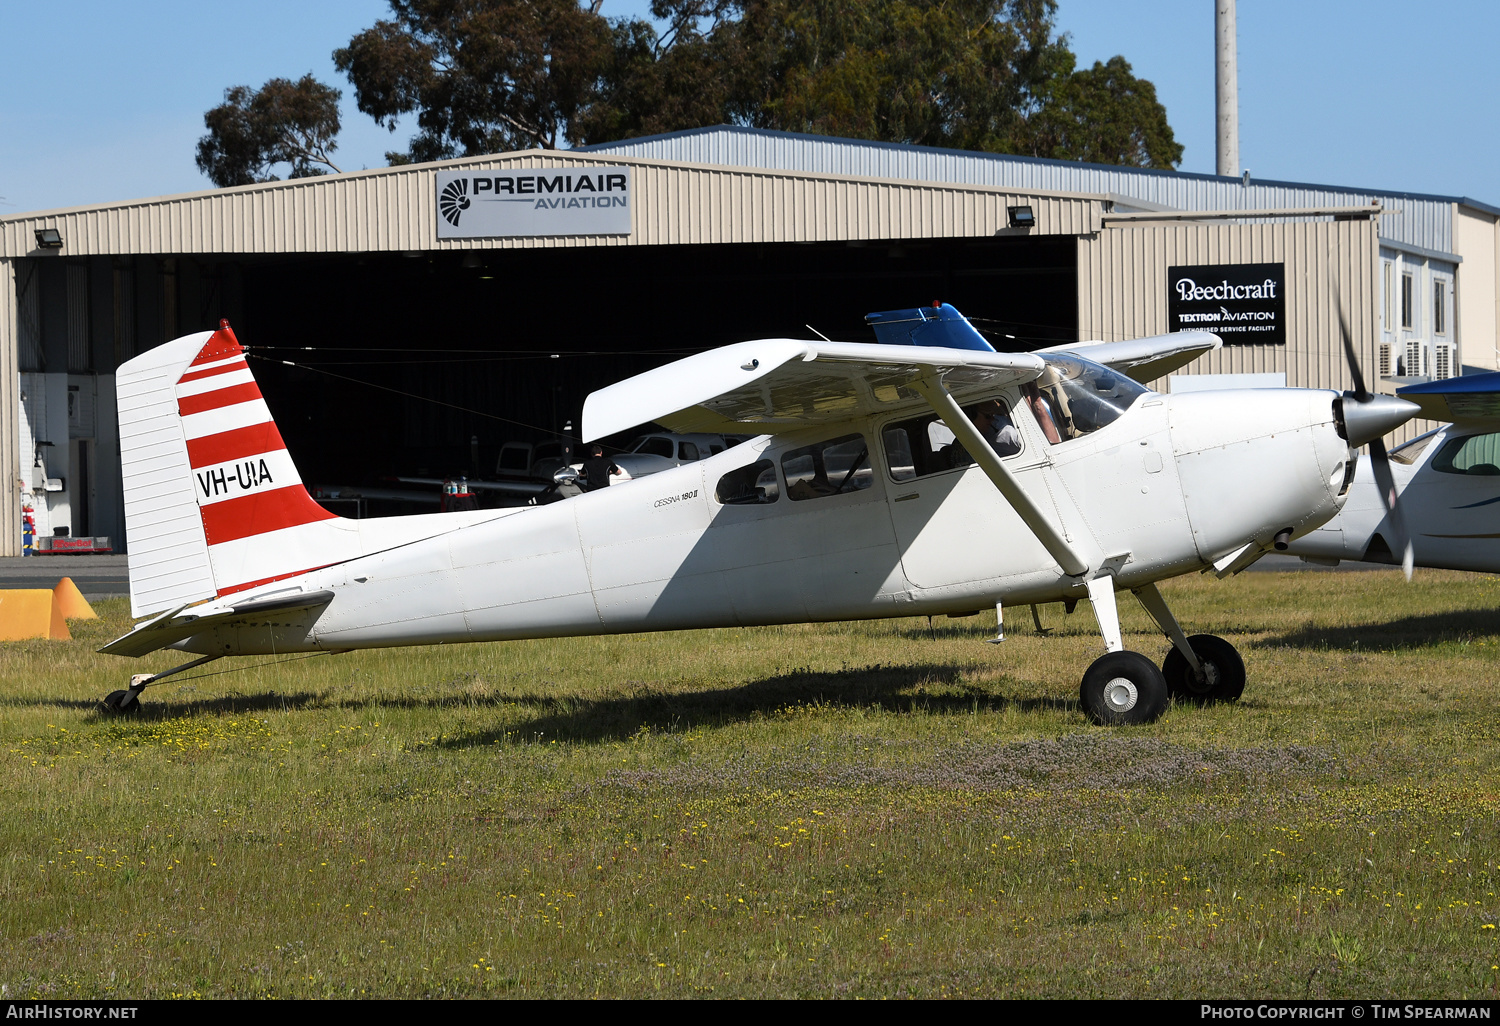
(104, 101)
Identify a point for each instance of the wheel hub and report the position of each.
(1120, 695)
(1204, 683)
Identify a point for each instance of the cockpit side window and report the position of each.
(653, 445)
(1409, 452)
(835, 467)
(1075, 397)
(1475, 455)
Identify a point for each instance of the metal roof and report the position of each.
(721, 184)
(395, 209)
(1415, 219)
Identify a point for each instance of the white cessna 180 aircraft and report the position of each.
(922, 474)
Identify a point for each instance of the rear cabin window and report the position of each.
(923, 445)
(653, 446)
(754, 485)
(1475, 455)
(514, 458)
(835, 467)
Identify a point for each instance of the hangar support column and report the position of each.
(10, 413)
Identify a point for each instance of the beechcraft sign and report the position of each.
(533, 201)
(1244, 304)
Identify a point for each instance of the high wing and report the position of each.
(1473, 398)
(1144, 359)
(781, 384)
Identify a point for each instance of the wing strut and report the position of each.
(931, 388)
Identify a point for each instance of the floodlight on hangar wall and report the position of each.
(49, 238)
(1021, 217)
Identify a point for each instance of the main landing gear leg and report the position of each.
(1201, 669)
(1120, 687)
(129, 700)
(1036, 618)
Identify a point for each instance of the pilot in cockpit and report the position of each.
(1041, 409)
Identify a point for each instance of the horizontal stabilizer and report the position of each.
(1144, 359)
(938, 325)
(172, 626)
(1469, 398)
(781, 384)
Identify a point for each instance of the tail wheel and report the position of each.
(1223, 678)
(121, 702)
(1123, 688)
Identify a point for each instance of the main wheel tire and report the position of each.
(1223, 679)
(1123, 688)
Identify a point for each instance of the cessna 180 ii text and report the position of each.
(925, 473)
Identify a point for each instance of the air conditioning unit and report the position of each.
(1383, 360)
(1416, 358)
(1442, 360)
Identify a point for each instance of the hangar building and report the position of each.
(410, 319)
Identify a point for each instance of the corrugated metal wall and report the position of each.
(1122, 290)
(1414, 219)
(395, 209)
(10, 414)
(1122, 293)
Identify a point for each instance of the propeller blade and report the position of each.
(1385, 483)
(1364, 423)
(1361, 394)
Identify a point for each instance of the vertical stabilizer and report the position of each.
(213, 502)
(168, 552)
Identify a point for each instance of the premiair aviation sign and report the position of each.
(532, 202)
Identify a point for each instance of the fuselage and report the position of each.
(1448, 483)
(1171, 485)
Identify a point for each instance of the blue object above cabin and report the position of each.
(938, 325)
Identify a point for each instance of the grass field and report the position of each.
(875, 809)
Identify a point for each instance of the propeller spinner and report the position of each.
(1364, 419)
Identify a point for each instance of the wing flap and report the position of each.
(172, 627)
(775, 385)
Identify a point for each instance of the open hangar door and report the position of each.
(397, 363)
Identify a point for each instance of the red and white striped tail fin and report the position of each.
(213, 501)
(258, 520)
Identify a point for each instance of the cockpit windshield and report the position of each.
(1074, 397)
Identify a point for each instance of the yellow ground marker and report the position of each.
(71, 601)
(31, 613)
